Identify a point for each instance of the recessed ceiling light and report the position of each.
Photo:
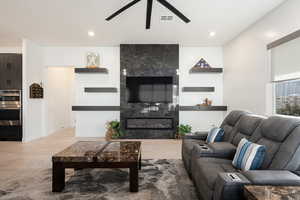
(91, 33)
(212, 34)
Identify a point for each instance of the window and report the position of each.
(285, 65)
(287, 95)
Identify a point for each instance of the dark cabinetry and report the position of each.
(10, 97)
(10, 71)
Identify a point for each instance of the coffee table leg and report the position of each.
(140, 162)
(58, 177)
(134, 179)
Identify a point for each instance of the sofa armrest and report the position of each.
(272, 177)
(196, 136)
(223, 149)
(230, 186)
(214, 150)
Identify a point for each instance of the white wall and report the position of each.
(59, 98)
(188, 57)
(33, 109)
(10, 49)
(246, 60)
(93, 124)
(90, 123)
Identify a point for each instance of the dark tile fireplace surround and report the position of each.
(149, 91)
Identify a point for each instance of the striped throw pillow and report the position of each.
(249, 156)
(215, 135)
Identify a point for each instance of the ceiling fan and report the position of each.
(149, 11)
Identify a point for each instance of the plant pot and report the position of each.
(178, 136)
(109, 134)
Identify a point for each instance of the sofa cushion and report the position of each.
(246, 127)
(273, 133)
(232, 118)
(207, 169)
(287, 157)
(248, 156)
(215, 135)
(229, 123)
(277, 128)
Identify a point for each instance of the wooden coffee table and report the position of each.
(260, 192)
(92, 154)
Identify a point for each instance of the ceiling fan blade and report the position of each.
(149, 12)
(174, 10)
(122, 9)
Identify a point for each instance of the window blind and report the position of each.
(285, 61)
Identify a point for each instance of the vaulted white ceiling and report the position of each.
(66, 22)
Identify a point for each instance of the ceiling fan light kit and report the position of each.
(149, 11)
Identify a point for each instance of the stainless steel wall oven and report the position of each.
(11, 115)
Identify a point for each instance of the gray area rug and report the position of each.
(158, 180)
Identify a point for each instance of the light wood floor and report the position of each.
(17, 159)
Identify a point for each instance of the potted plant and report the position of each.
(113, 130)
(183, 129)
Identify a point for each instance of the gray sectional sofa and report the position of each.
(210, 165)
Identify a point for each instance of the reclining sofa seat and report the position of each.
(215, 160)
(228, 125)
(280, 135)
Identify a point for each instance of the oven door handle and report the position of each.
(10, 123)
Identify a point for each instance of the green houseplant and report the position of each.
(183, 129)
(113, 130)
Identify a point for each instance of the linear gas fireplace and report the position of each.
(149, 123)
(149, 91)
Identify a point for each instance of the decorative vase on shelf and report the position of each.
(209, 102)
(206, 102)
(92, 60)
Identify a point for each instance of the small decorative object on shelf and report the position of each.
(92, 60)
(206, 102)
(203, 67)
(36, 91)
(209, 102)
(182, 130)
(202, 64)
